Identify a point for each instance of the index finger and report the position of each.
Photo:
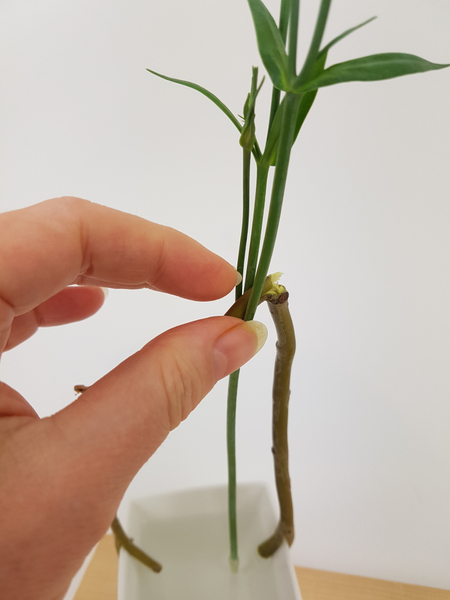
(50, 245)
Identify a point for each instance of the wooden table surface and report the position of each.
(100, 583)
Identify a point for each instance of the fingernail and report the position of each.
(259, 330)
(105, 292)
(236, 346)
(238, 278)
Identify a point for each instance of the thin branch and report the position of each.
(123, 541)
(279, 309)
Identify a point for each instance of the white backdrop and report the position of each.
(364, 246)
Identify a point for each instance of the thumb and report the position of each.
(77, 464)
(123, 418)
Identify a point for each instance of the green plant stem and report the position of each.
(279, 309)
(245, 216)
(123, 541)
(293, 37)
(262, 173)
(291, 102)
(315, 43)
(231, 452)
(238, 310)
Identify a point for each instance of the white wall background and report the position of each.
(364, 247)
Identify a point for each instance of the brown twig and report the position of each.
(123, 541)
(279, 309)
(277, 300)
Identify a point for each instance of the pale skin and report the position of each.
(77, 464)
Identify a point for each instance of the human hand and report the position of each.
(77, 464)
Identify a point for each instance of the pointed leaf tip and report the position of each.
(206, 93)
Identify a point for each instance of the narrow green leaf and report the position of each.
(206, 93)
(270, 45)
(371, 68)
(308, 97)
(313, 52)
(285, 9)
(343, 35)
(306, 101)
(293, 37)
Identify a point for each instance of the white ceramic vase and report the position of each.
(188, 533)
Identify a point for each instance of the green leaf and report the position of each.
(306, 101)
(343, 35)
(206, 93)
(313, 52)
(371, 68)
(308, 97)
(270, 45)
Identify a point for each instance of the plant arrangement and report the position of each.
(293, 92)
